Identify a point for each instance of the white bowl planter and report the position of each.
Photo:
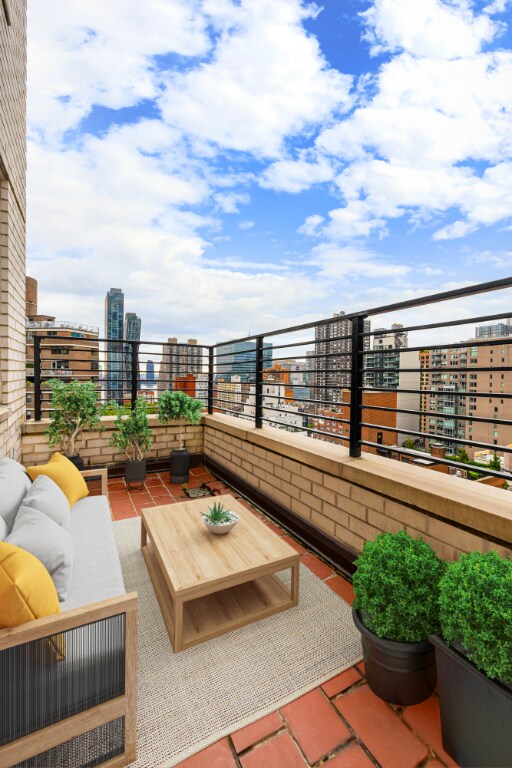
(219, 528)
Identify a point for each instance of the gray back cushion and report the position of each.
(46, 496)
(47, 541)
(14, 485)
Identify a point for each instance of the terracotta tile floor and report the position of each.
(341, 724)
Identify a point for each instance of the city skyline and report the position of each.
(247, 166)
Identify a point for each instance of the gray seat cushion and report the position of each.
(49, 542)
(14, 485)
(97, 571)
(46, 496)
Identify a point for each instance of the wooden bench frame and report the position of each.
(122, 706)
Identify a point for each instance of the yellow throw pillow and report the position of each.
(27, 591)
(63, 472)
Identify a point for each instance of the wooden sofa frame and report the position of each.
(121, 706)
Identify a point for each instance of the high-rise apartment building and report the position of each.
(386, 344)
(150, 374)
(446, 399)
(132, 327)
(494, 330)
(179, 360)
(114, 320)
(68, 350)
(459, 393)
(333, 345)
(239, 359)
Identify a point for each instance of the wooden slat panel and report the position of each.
(58, 733)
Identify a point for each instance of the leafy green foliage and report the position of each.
(476, 611)
(396, 586)
(495, 462)
(74, 409)
(180, 407)
(218, 514)
(409, 444)
(463, 456)
(133, 435)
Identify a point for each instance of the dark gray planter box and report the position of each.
(180, 465)
(135, 472)
(476, 712)
(401, 673)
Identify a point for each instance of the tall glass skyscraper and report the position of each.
(114, 317)
(132, 326)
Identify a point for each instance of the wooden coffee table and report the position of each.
(207, 585)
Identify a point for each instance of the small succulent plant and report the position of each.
(218, 514)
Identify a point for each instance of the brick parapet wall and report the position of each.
(355, 499)
(12, 225)
(96, 450)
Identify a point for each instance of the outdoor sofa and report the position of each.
(68, 681)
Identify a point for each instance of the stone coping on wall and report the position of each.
(481, 508)
(39, 427)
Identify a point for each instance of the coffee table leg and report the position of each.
(178, 624)
(143, 534)
(295, 584)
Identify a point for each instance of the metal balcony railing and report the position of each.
(324, 380)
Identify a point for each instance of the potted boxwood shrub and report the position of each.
(180, 408)
(474, 659)
(396, 608)
(75, 408)
(133, 437)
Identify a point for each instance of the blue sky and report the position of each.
(250, 164)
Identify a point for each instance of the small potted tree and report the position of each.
(180, 408)
(132, 436)
(474, 659)
(396, 608)
(74, 409)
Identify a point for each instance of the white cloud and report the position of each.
(499, 259)
(230, 202)
(246, 225)
(296, 175)
(429, 28)
(93, 52)
(337, 262)
(411, 147)
(311, 225)
(266, 80)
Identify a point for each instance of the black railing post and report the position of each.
(37, 378)
(356, 384)
(258, 409)
(134, 346)
(210, 380)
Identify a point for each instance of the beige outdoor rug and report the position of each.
(191, 699)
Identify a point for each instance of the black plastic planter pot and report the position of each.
(77, 461)
(135, 472)
(180, 465)
(401, 673)
(476, 712)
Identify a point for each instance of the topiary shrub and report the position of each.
(179, 407)
(75, 409)
(132, 434)
(475, 598)
(397, 587)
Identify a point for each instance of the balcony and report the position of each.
(327, 487)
